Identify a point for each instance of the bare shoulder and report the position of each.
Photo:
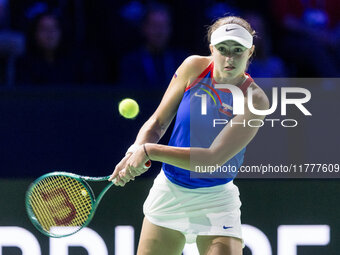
(193, 66)
(260, 99)
(197, 62)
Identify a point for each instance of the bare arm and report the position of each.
(226, 145)
(155, 127)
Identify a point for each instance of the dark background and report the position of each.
(75, 126)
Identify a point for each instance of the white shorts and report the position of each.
(202, 211)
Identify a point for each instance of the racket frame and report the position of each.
(83, 180)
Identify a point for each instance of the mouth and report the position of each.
(229, 68)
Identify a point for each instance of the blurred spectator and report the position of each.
(24, 11)
(49, 61)
(12, 44)
(265, 64)
(154, 63)
(312, 35)
(46, 61)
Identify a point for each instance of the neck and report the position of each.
(237, 81)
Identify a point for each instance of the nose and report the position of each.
(229, 59)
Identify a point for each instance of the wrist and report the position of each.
(151, 149)
(134, 147)
(146, 152)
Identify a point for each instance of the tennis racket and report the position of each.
(60, 204)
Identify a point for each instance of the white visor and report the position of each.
(233, 32)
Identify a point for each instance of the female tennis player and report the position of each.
(185, 204)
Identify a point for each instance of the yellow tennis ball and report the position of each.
(128, 108)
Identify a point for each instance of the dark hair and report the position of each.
(230, 20)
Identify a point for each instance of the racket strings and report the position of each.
(60, 201)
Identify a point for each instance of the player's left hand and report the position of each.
(115, 176)
(134, 166)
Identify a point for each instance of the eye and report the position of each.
(238, 50)
(221, 49)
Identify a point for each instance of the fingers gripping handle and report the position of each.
(146, 166)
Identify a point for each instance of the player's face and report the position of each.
(230, 58)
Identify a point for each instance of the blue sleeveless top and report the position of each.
(194, 127)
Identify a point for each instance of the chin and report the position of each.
(229, 73)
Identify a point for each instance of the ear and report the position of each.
(211, 47)
(251, 51)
